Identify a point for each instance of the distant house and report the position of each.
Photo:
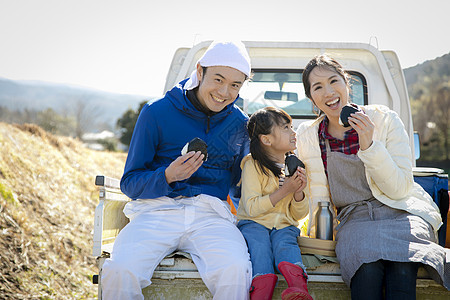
(94, 140)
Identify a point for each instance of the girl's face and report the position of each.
(329, 91)
(282, 139)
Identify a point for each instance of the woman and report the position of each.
(387, 223)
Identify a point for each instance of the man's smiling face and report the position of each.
(219, 86)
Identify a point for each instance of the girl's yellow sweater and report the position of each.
(255, 204)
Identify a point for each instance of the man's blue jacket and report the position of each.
(162, 130)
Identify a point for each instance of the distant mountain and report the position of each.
(438, 68)
(109, 107)
(37, 95)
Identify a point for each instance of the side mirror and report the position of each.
(416, 145)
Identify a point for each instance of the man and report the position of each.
(180, 200)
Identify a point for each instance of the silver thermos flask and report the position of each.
(324, 221)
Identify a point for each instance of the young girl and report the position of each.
(270, 206)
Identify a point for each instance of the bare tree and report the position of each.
(85, 115)
(441, 101)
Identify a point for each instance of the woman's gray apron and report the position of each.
(369, 230)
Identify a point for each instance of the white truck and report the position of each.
(377, 78)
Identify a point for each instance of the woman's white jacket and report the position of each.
(387, 161)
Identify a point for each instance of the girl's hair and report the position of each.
(322, 61)
(262, 122)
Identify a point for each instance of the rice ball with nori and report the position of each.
(291, 163)
(345, 113)
(196, 144)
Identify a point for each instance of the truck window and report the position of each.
(284, 89)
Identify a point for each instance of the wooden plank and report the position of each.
(113, 219)
(109, 218)
(109, 195)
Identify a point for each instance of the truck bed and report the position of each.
(176, 277)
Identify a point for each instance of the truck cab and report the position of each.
(377, 78)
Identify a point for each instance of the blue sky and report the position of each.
(126, 46)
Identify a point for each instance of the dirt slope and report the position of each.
(47, 202)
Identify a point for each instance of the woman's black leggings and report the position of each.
(397, 278)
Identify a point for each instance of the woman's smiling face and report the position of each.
(329, 91)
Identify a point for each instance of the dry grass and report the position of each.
(47, 202)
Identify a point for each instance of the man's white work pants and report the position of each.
(201, 226)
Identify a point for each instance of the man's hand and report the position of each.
(184, 166)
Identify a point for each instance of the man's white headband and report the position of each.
(227, 54)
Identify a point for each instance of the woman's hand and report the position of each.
(364, 127)
(184, 166)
